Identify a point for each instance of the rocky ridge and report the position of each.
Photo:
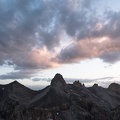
(60, 101)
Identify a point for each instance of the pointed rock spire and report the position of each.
(58, 80)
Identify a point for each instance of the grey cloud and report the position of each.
(41, 79)
(101, 44)
(113, 25)
(110, 26)
(17, 75)
(72, 53)
(76, 22)
(87, 3)
(36, 79)
(111, 57)
(2, 62)
(21, 23)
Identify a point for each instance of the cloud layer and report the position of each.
(33, 33)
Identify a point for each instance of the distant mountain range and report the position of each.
(60, 101)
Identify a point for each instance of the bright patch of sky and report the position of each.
(102, 6)
(88, 69)
(5, 69)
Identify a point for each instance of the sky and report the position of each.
(79, 39)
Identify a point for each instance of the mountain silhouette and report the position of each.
(60, 101)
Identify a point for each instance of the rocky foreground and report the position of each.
(60, 101)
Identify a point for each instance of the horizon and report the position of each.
(67, 80)
(79, 39)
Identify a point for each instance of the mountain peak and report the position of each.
(15, 82)
(58, 79)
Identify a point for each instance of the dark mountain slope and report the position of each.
(16, 91)
(13, 95)
(60, 101)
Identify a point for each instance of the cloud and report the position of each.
(72, 53)
(30, 63)
(103, 48)
(27, 27)
(41, 79)
(111, 57)
(18, 75)
(36, 79)
(36, 59)
(31, 33)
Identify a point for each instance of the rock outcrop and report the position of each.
(114, 87)
(59, 101)
(58, 81)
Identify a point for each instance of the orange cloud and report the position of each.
(89, 48)
(42, 58)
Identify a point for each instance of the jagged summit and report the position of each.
(58, 80)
